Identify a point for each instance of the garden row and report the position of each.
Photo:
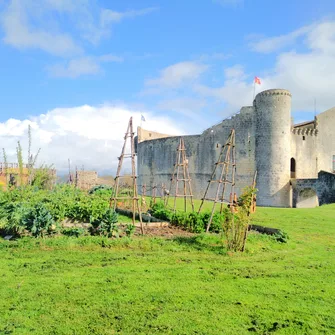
(37, 212)
(191, 221)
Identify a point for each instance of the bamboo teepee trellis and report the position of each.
(134, 197)
(226, 176)
(181, 174)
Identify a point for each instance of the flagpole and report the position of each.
(253, 98)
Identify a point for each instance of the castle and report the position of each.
(295, 163)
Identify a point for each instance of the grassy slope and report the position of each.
(185, 286)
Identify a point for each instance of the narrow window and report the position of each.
(303, 138)
(293, 167)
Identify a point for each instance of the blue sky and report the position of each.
(171, 60)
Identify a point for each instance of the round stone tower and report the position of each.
(273, 147)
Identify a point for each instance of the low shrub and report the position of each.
(39, 221)
(106, 225)
(37, 212)
(74, 231)
(101, 189)
(159, 211)
(191, 221)
(130, 230)
(281, 236)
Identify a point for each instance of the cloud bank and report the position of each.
(89, 136)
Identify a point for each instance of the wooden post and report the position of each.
(154, 191)
(227, 176)
(181, 174)
(134, 197)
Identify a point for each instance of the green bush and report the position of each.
(12, 216)
(281, 236)
(190, 221)
(106, 225)
(235, 225)
(74, 231)
(130, 230)
(39, 221)
(30, 210)
(159, 211)
(101, 189)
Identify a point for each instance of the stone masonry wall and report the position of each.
(86, 179)
(304, 151)
(273, 147)
(323, 186)
(265, 141)
(156, 158)
(326, 139)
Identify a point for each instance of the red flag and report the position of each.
(257, 81)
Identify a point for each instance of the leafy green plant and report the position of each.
(216, 225)
(281, 236)
(130, 229)
(12, 216)
(246, 198)
(4, 154)
(235, 225)
(101, 189)
(43, 177)
(74, 231)
(159, 211)
(190, 221)
(39, 221)
(106, 225)
(20, 161)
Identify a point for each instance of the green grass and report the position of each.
(208, 205)
(124, 219)
(93, 285)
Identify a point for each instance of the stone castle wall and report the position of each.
(156, 158)
(304, 150)
(265, 141)
(145, 135)
(326, 139)
(273, 147)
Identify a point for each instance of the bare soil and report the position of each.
(167, 231)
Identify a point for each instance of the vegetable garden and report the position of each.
(72, 265)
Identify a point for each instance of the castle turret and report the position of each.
(273, 147)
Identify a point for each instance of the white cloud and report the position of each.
(65, 5)
(308, 75)
(75, 68)
(36, 24)
(22, 34)
(322, 38)
(176, 75)
(82, 66)
(109, 16)
(188, 107)
(234, 72)
(89, 136)
(271, 44)
(234, 94)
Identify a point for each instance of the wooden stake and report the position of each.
(134, 198)
(228, 168)
(154, 191)
(181, 174)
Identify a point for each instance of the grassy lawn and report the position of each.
(187, 285)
